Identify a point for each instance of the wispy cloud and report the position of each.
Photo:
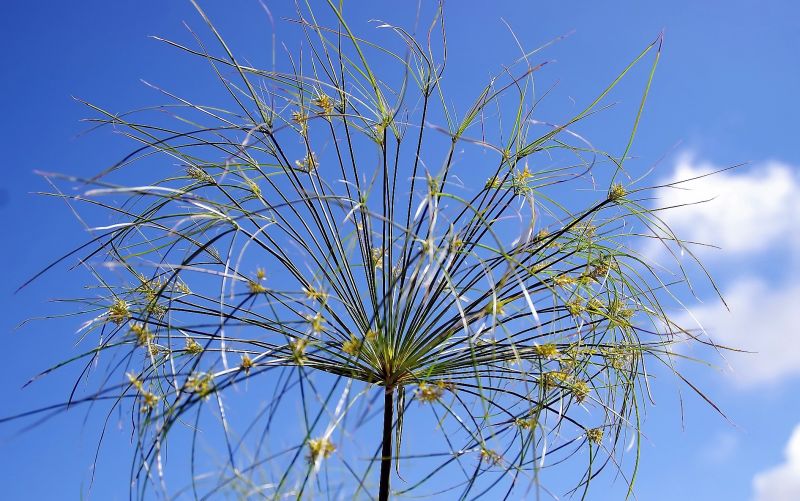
(754, 216)
(781, 483)
(750, 210)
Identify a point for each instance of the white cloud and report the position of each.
(755, 217)
(752, 209)
(762, 320)
(781, 483)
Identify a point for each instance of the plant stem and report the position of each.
(386, 454)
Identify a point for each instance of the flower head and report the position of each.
(320, 448)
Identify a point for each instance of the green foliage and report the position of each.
(326, 242)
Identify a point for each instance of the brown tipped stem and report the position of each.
(386, 454)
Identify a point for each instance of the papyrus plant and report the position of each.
(335, 283)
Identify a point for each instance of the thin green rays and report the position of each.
(315, 251)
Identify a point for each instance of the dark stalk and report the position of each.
(386, 453)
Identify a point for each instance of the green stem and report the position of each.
(386, 454)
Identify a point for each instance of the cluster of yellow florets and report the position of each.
(493, 183)
(548, 350)
(316, 322)
(619, 357)
(549, 380)
(301, 118)
(298, 349)
(149, 399)
(519, 181)
(142, 334)
(201, 384)
(619, 314)
(315, 294)
(595, 306)
(575, 307)
(580, 390)
(616, 192)
(563, 280)
(429, 393)
(197, 173)
(308, 163)
(528, 423)
(320, 448)
(490, 456)
(595, 435)
(246, 364)
(377, 257)
(325, 103)
(193, 347)
(118, 312)
(352, 346)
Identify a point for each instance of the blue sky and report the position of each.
(724, 94)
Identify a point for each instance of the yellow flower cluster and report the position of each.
(490, 456)
(308, 163)
(193, 347)
(548, 350)
(246, 364)
(119, 312)
(595, 435)
(325, 103)
(298, 349)
(201, 384)
(616, 192)
(142, 334)
(320, 448)
(315, 294)
(352, 346)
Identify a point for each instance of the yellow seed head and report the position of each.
(193, 347)
(135, 382)
(575, 307)
(563, 280)
(247, 363)
(580, 390)
(551, 379)
(616, 192)
(308, 163)
(352, 346)
(298, 349)
(548, 350)
(142, 334)
(490, 456)
(198, 174)
(149, 401)
(429, 393)
(493, 183)
(316, 322)
(118, 312)
(201, 384)
(325, 103)
(320, 448)
(526, 423)
(595, 305)
(315, 294)
(595, 435)
(377, 257)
